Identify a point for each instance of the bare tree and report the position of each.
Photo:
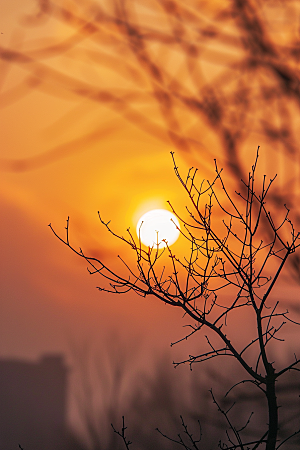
(229, 268)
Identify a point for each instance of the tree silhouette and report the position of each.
(229, 269)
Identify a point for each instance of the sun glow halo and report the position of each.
(155, 226)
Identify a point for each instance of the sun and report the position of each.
(158, 225)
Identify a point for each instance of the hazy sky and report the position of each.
(77, 156)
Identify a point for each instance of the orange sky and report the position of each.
(48, 297)
(77, 156)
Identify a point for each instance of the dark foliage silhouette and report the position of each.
(229, 271)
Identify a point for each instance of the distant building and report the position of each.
(33, 403)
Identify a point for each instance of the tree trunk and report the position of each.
(273, 409)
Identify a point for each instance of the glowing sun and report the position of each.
(156, 225)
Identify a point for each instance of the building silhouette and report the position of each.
(33, 403)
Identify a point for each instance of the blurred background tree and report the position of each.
(212, 79)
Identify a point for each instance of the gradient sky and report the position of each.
(122, 175)
(65, 154)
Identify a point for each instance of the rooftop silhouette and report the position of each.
(33, 403)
